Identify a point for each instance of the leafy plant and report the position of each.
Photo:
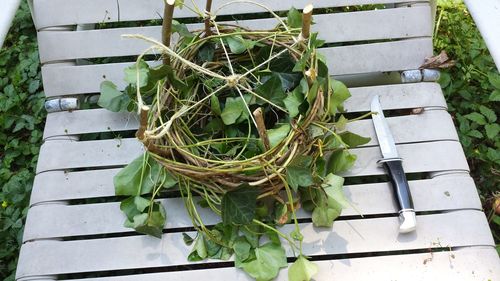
(472, 91)
(246, 123)
(21, 119)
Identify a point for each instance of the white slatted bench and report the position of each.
(68, 235)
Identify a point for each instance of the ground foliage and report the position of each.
(21, 119)
(472, 91)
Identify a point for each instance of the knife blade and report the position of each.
(394, 167)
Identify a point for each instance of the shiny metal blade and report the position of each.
(384, 136)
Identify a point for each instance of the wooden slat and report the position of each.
(453, 192)
(400, 96)
(88, 121)
(420, 157)
(469, 264)
(428, 126)
(453, 229)
(333, 28)
(69, 12)
(396, 97)
(376, 57)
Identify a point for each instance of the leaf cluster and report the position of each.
(21, 120)
(472, 91)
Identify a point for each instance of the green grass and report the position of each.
(471, 89)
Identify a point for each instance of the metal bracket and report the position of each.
(62, 104)
(420, 75)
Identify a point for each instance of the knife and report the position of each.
(394, 167)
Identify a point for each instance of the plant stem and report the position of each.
(208, 7)
(306, 21)
(261, 128)
(168, 14)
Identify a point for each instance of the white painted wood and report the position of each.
(470, 264)
(396, 97)
(68, 12)
(342, 27)
(7, 13)
(376, 57)
(454, 229)
(420, 157)
(428, 126)
(88, 121)
(486, 14)
(59, 185)
(400, 96)
(52, 221)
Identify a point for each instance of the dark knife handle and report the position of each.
(399, 183)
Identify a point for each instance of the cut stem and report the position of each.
(168, 15)
(208, 7)
(140, 134)
(143, 122)
(261, 127)
(306, 21)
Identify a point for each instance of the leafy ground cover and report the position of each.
(21, 120)
(471, 88)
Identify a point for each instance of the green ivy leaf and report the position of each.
(251, 233)
(199, 251)
(489, 113)
(137, 74)
(271, 90)
(476, 117)
(241, 248)
(139, 177)
(150, 223)
(353, 140)
(298, 172)
(332, 185)
(206, 52)
(340, 93)
(492, 130)
(269, 258)
(239, 45)
(340, 161)
(302, 270)
(234, 108)
(238, 205)
(292, 103)
(188, 240)
(283, 68)
(278, 134)
(215, 105)
(112, 99)
(324, 215)
(294, 18)
(133, 206)
(181, 29)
